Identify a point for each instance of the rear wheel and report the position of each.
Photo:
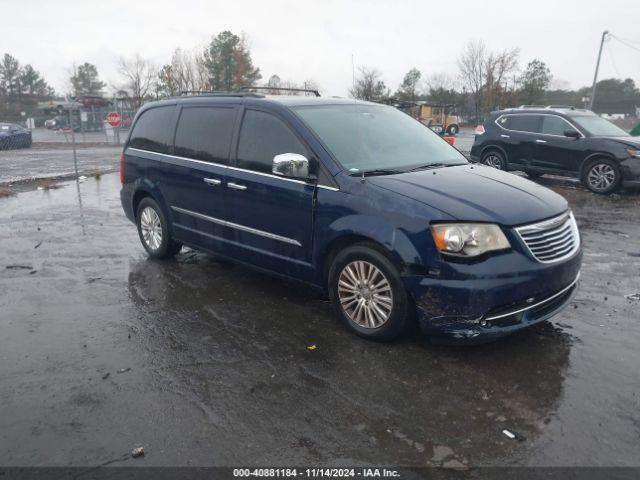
(494, 159)
(602, 176)
(453, 129)
(153, 230)
(368, 294)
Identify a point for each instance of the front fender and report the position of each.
(356, 228)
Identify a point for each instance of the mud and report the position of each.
(202, 362)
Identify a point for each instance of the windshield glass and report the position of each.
(377, 137)
(599, 127)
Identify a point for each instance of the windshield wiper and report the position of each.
(429, 166)
(377, 171)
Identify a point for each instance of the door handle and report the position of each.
(212, 181)
(541, 141)
(504, 136)
(236, 186)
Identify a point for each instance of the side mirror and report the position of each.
(572, 134)
(291, 165)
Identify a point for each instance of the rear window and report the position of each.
(151, 131)
(520, 123)
(204, 133)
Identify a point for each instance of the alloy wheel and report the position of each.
(601, 176)
(365, 294)
(151, 228)
(493, 161)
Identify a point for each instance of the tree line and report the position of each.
(485, 80)
(491, 80)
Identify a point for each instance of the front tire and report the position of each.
(602, 176)
(368, 294)
(495, 159)
(533, 175)
(153, 230)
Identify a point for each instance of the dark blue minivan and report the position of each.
(356, 199)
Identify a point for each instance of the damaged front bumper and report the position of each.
(497, 301)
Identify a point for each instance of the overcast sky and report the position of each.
(300, 39)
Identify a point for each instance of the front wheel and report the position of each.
(368, 294)
(602, 176)
(453, 129)
(153, 230)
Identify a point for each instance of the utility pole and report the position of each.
(595, 76)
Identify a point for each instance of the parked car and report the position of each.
(13, 135)
(92, 100)
(355, 199)
(560, 141)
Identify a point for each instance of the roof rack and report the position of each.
(568, 107)
(532, 106)
(218, 93)
(315, 92)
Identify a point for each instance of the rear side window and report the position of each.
(204, 133)
(262, 137)
(552, 125)
(151, 131)
(520, 123)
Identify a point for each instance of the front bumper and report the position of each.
(490, 299)
(630, 172)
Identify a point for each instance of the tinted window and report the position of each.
(552, 125)
(262, 137)
(204, 133)
(521, 123)
(151, 131)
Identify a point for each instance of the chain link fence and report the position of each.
(62, 139)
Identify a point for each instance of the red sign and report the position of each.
(114, 119)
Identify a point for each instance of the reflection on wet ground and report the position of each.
(221, 373)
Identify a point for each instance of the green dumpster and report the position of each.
(635, 131)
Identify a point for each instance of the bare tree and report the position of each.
(179, 75)
(369, 85)
(496, 68)
(440, 81)
(471, 64)
(139, 78)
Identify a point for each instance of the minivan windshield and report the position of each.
(377, 138)
(598, 126)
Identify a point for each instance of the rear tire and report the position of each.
(368, 294)
(495, 159)
(453, 129)
(602, 176)
(153, 230)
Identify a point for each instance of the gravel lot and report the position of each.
(206, 363)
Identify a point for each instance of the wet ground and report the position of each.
(206, 363)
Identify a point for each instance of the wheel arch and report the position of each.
(489, 148)
(592, 157)
(396, 247)
(144, 188)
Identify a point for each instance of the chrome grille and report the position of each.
(551, 240)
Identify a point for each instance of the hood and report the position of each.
(477, 193)
(633, 142)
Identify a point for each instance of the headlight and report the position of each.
(633, 153)
(468, 239)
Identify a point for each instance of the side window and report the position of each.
(262, 137)
(524, 123)
(204, 133)
(552, 125)
(151, 131)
